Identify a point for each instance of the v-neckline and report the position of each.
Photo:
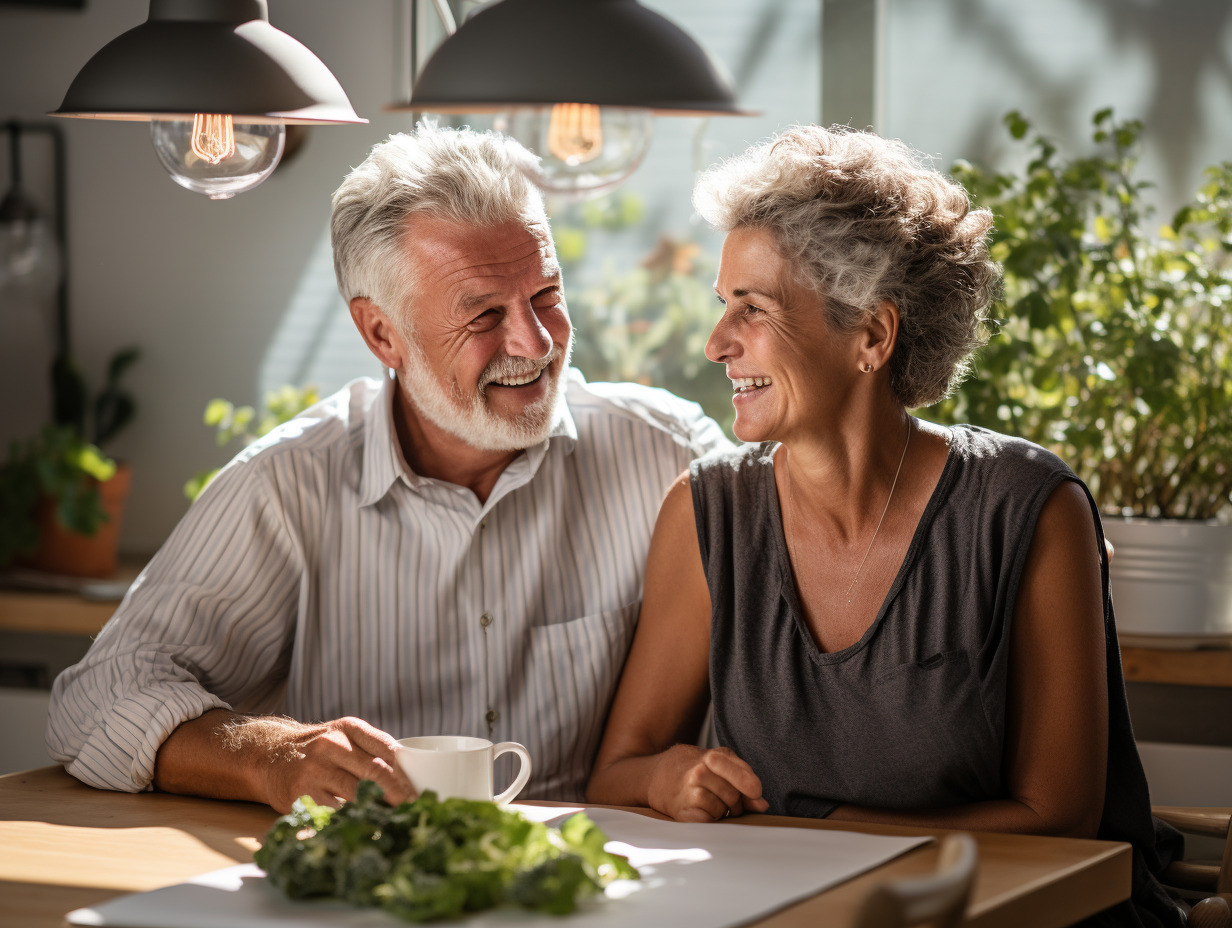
(791, 595)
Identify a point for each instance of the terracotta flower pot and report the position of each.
(63, 552)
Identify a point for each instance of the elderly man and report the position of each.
(456, 549)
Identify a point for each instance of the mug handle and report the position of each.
(512, 747)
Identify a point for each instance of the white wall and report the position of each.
(199, 285)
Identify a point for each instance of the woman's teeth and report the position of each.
(744, 384)
(518, 381)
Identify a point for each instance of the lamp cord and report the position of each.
(14, 129)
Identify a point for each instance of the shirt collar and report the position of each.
(384, 463)
(564, 428)
(382, 457)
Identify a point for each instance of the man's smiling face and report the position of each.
(487, 330)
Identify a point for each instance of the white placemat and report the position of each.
(693, 876)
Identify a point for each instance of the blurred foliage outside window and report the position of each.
(647, 324)
(244, 424)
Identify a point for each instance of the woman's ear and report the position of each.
(879, 336)
(379, 332)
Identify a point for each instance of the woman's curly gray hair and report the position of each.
(863, 220)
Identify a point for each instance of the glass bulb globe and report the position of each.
(214, 155)
(586, 150)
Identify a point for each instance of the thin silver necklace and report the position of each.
(791, 503)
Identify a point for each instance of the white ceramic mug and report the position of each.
(457, 766)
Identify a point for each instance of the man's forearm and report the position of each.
(274, 760)
(219, 755)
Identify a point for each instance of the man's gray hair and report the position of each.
(862, 219)
(467, 177)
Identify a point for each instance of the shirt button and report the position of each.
(492, 716)
(485, 620)
(483, 525)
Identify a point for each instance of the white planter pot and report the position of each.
(1171, 581)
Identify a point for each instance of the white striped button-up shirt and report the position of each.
(318, 577)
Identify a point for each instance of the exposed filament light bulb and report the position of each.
(575, 135)
(214, 155)
(213, 137)
(584, 150)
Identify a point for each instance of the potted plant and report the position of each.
(1115, 351)
(61, 497)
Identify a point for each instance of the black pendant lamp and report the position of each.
(217, 83)
(576, 81)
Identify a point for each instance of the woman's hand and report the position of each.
(695, 785)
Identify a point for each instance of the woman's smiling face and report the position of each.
(790, 371)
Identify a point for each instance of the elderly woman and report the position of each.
(897, 622)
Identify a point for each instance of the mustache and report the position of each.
(511, 366)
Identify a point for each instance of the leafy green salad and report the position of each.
(431, 859)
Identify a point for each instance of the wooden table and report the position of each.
(64, 845)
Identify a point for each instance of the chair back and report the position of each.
(1204, 884)
(938, 900)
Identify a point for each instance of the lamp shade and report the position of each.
(610, 53)
(207, 56)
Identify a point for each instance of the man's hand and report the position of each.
(695, 785)
(324, 761)
(276, 760)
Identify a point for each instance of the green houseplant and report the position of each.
(60, 496)
(1114, 349)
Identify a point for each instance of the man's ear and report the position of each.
(880, 335)
(379, 332)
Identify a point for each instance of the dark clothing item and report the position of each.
(912, 716)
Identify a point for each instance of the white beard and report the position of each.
(471, 419)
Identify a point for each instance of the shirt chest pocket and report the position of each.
(572, 671)
(936, 744)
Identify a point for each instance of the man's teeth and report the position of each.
(518, 381)
(743, 384)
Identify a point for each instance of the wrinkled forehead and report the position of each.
(455, 264)
(539, 231)
(442, 247)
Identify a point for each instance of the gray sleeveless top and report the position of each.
(912, 716)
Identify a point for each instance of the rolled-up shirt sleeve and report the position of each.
(208, 624)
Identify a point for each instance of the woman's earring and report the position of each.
(867, 367)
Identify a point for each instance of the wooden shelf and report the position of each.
(52, 613)
(1187, 668)
(57, 613)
